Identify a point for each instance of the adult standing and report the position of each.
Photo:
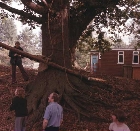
(16, 60)
(53, 116)
(19, 105)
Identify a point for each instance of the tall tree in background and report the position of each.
(29, 40)
(8, 35)
(120, 22)
(62, 23)
(8, 31)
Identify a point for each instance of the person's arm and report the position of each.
(21, 55)
(111, 127)
(45, 123)
(61, 121)
(46, 118)
(127, 129)
(26, 107)
(13, 105)
(11, 53)
(61, 117)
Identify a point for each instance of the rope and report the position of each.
(49, 7)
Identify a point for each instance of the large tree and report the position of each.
(62, 22)
(8, 31)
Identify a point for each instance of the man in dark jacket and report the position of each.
(16, 60)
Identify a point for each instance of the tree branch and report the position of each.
(20, 12)
(35, 7)
(44, 60)
(44, 1)
(78, 23)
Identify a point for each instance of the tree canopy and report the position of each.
(78, 10)
(122, 21)
(81, 14)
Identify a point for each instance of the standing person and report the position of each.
(53, 116)
(19, 105)
(16, 60)
(118, 124)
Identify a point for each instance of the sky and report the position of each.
(125, 38)
(19, 25)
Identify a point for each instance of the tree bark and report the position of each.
(21, 13)
(55, 41)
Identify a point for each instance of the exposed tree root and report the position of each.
(82, 98)
(94, 99)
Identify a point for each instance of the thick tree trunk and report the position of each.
(73, 91)
(55, 42)
(55, 45)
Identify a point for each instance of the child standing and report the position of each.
(118, 124)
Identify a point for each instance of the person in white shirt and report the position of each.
(118, 124)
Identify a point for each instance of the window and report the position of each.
(99, 55)
(120, 57)
(135, 57)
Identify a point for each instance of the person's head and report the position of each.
(118, 115)
(20, 92)
(17, 44)
(53, 97)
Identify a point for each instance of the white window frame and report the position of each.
(137, 54)
(99, 55)
(119, 55)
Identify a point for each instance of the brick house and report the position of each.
(117, 62)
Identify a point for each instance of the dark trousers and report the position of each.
(23, 72)
(20, 124)
(52, 128)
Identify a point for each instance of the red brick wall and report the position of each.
(136, 73)
(109, 62)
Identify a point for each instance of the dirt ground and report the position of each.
(71, 122)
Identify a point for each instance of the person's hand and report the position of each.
(15, 54)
